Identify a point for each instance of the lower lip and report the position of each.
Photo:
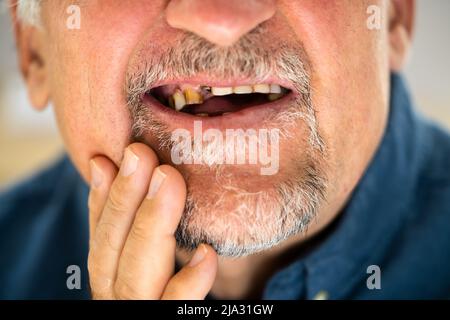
(252, 117)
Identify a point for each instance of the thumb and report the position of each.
(196, 279)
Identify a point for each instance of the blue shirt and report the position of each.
(397, 223)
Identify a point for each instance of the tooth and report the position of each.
(179, 100)
(274, 88)
(261, 88)
(192, 96)
(202, 115)
(274, 96)
(243, 89)
(221, 91)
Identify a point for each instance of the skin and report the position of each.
(82, 73)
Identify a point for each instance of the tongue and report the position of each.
(230, 103)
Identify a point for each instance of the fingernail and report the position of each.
(199, 255)
(130, 163)
(96, 175)
(155, 184)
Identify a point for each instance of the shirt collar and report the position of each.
(372, 218)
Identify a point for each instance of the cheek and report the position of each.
(91, 114)
(87, 129)
(350, 77)
(87, 78)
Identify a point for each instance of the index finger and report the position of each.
(148, 257)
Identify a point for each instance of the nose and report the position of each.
(222, 22)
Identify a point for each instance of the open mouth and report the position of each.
(211, 101)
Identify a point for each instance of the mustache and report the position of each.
(257, 56)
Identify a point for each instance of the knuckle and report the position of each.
(117, 200)
(105, 235)
(139, 232)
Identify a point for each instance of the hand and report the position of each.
(133, 216)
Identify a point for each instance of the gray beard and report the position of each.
(260, 220)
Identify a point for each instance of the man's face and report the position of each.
(116, 79)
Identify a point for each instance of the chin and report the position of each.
(226, 210)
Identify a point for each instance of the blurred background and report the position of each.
(29, 140)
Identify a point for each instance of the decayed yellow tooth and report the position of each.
(274, 96)
(178, 100)
(261, 88)
(193, 96)
(274, 88)
(202, 115)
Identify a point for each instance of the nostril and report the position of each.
(222, 22)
